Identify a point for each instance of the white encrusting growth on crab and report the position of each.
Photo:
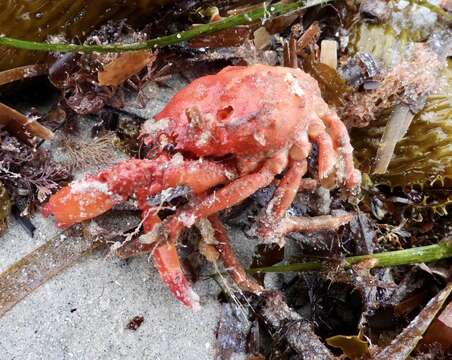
(204, 138)
(260, 138)
(187, 219)
(152, 126)
(85, 185)
(294, 85)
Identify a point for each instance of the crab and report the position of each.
(222, 138)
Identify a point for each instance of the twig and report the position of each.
(401, 347)
(22, 72)
(422, 254)
(259, 14)
(21, 126)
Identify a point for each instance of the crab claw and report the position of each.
(72, 205)
(96, 194)
(167, 263)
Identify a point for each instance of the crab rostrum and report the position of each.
(223, 137)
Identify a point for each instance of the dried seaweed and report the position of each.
(334, 89)
(440, 331)
(291, 327)
(353, 347)
(124, 66)
(90, 81)
(230, 333)
(22, 72)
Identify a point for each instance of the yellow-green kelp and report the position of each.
(424, 155)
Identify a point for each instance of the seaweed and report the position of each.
(401, 347)
(28, 174)
(424, 155)
(71, 17)
(83, 154)
(5, 207)
(33, 270)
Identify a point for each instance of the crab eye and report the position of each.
(224, 113)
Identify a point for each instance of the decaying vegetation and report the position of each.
(370, 290)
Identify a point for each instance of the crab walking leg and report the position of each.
(230, 195)
(282, 199)
(164, 257)
(292, 224)
(168, 265)
(233, 267)
(347, 172)
(167, 262)
(327, 155)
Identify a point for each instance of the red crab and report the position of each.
(223, 136)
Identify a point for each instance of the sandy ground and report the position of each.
(82, 313)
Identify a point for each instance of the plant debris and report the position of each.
(135, 323)
(23, 127)
(124, 67)
(22, 72)
(231, 333)
(291, 327)
(5, 207)
(352, 346)
(401, 347)
(440, 331)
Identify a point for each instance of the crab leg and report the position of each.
(327, 155)
(311, 224)
(347, 173)
(283, 197)
(231, 194)
(165, 259)
(167, 263)
(233, 267)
